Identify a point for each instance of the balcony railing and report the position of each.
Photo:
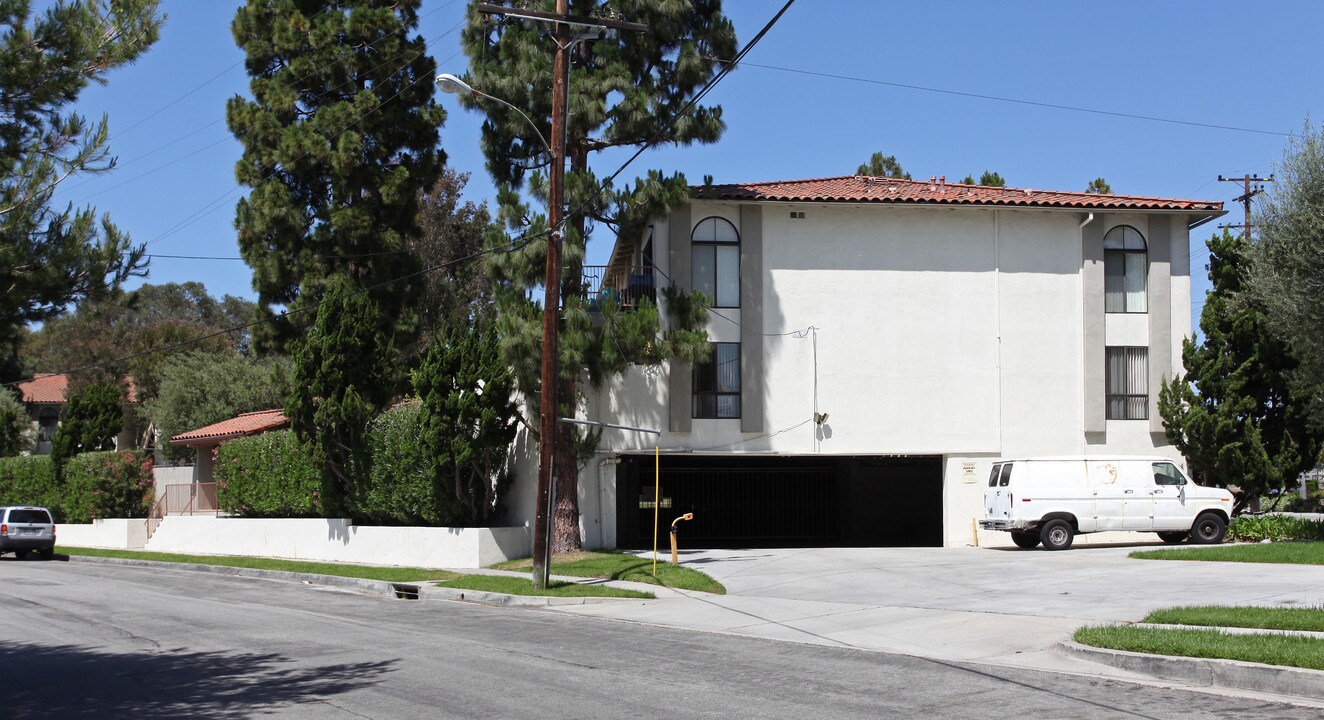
(622, 284)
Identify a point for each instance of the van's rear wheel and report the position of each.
(1209, 529)
(1025, 540)
(1056, 535)
(1173, 537)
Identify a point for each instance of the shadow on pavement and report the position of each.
(67, 681)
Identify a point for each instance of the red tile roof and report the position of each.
(44, 388)
(865, 189)
(53, 389)
(246, 424)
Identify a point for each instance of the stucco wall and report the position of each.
(338, 540)
(118, 533)
(920, 331)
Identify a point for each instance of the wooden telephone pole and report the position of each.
(1244, 198)
(561, 23)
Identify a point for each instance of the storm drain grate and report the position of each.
(405, 592)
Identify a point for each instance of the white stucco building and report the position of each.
(877, 344)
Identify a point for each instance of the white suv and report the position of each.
(27, 528)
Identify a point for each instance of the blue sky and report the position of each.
(1242, 65)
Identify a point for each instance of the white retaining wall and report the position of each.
(338, 540)
(118, 533)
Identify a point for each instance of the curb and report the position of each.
(482, 597)
(1207, 671)
(379, 587)
(415, 590)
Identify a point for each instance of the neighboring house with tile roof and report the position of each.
(877, 344)
(45, 396)
(206, 439)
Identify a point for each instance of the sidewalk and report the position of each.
(998, 607)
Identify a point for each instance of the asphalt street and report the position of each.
(85, 640)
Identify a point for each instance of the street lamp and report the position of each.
(453, 85)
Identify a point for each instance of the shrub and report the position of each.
(267, 475)
(1254, 528)
(113, 484)
(398, 488)
(29, 481)
(17, 430)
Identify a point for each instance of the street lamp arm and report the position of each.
(452, 84)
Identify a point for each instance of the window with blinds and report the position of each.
(717, 383)
(1125, 271)
(1128, 383)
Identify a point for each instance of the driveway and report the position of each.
(1000, 606)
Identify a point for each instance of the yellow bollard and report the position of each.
(675, 559)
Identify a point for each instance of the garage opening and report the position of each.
(741, 502)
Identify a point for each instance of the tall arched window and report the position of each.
(715, 261)
(1125, 266)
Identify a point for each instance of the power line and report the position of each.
(1033, 103)
(216, 204)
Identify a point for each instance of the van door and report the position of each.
(1170, 509)
(997, 497)
(1136, 483)
(1109, 503)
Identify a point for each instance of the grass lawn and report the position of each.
(389, 574)
(524, 586)
(1300, 552)
(1299, 618)
(1291, 651)
(620, 566)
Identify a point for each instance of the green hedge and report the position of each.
(106, 484)
(267, 475)
(29, 480)
(398, 489)
(1254, 528)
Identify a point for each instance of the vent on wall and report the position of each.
(797, 214)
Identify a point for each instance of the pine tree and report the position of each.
(1099, 186)
(624, 92)
(1236, 415)
(51, 257)
(881, 165)
(339, 140)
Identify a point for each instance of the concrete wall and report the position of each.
(118, 533)
(337, 540)
(968, 333)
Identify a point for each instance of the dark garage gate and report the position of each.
(783, 501)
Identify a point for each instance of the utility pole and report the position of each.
(1245, 197)
(561, 22)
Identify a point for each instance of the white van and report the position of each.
(1051, 500)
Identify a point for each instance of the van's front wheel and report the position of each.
(1025, 540)
(1209, 529)
(1056, 535)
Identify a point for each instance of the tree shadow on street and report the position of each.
(67, 681)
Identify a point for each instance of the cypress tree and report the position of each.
(624, 92)
(1237, 415)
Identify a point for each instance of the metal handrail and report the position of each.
(183, 499)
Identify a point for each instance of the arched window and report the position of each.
(1125, 267)
(715, 261)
